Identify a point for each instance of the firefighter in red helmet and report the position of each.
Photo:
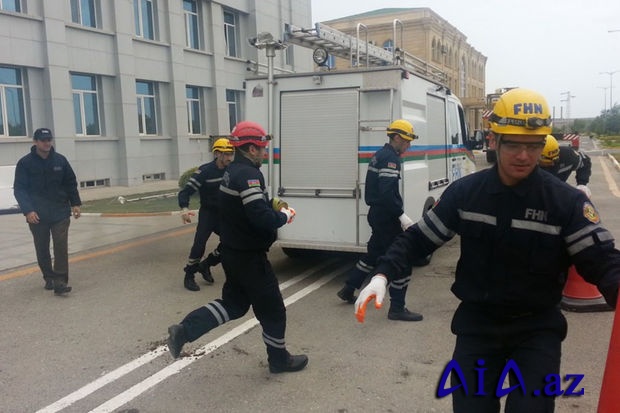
(248, 227)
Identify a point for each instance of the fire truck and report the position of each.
(327, 124)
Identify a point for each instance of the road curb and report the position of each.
(616, 164)
(130, 214)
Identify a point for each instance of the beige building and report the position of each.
(426, 35)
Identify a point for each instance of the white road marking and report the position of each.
(611, 182)
(180, 364)
(133, 392)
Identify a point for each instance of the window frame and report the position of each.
(141, 98)
(232, 48)
(16, 3)
(139, 18)
(234, 107)
(81, 94)
(77, 6)
(6, 110)
(192, 31)
(194, 107)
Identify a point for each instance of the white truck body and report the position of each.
(327, 126)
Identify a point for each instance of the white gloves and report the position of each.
(290, 214)
(186, 215)
(375, 289)
(585, 190)
(405, 221)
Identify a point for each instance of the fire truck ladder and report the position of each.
(360, 52)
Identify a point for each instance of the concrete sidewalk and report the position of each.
(90, 230)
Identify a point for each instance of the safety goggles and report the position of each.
(514, 147)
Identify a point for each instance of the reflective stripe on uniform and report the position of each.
(274, 342)
(218, 311)
(536, 226)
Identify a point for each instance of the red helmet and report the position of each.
(249, 132)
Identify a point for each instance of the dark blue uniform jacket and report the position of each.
(382, 183)
(516, 242)
(206, 180)
(249, 223)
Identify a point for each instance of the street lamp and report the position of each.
(265, 40)
(604, 97)
(611, 86)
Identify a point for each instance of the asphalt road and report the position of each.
(100, 349)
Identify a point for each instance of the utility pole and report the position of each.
(567, 100)
(611, 86)
(604, 97)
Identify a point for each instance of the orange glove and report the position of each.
(375, 289)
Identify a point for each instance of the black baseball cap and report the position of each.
(42, 134)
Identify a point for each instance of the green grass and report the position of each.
(611, 141)
(134, 204)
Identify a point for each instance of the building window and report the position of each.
(193, 99)
(233, 100)
(289, 55)
(11, 5)
(12, 110)
(143, 11)
(388, 45)
(192, 32)
(85, 105)
(147, 118)
(231, 33)
(83, 12)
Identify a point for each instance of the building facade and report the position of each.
(132, 89)
(426, 35)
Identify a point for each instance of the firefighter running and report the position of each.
(206, 180)
(249, 223)
(520, 229)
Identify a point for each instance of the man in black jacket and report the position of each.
(248, 228)
(206, 180)
(46, 189)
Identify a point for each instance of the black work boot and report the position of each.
(203, 268)
(404, 315)
(189, 281)
(61, 287)
(176, 339)
(346, 294)
(291, 364)
(49, 284)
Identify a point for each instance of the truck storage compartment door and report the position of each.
(319, 136)
(437, 134)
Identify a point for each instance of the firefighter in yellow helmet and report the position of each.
(520, 230)
(206, 180)
(386, 218)
(562, 160)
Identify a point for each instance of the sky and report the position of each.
(556, 47)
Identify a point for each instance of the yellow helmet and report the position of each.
(222, 145)
(403, 128)
(551, 151)
(521, 112)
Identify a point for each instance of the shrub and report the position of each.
(186, 175)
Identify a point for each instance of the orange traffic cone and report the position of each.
(581, 296)
(609, 399)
